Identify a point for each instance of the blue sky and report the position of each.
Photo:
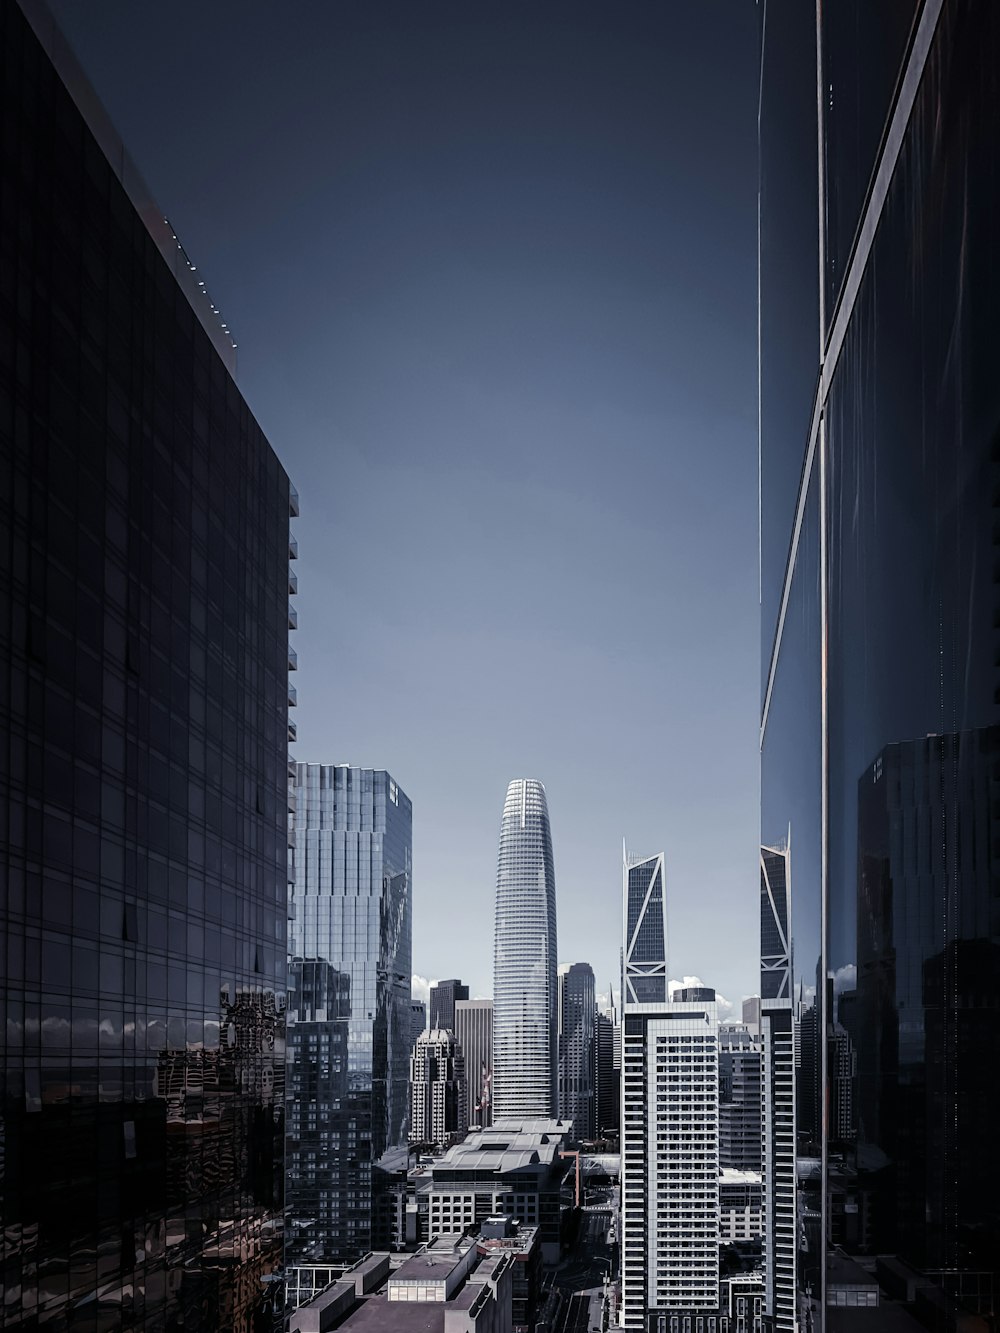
(491, 269)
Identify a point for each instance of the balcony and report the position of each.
(293, 501)
(293, 548)
(293, 617)
(292, 731)
(293, 697)
(293, 660)
(293, 582)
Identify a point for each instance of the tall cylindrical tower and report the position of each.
(524, 961)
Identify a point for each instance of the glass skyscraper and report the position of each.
(144, 617)
(644, 979)
(577, 1011)
(880, 477)
(350, 1010)
(525, 1047)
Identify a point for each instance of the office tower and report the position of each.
(524, 961)
(144, 546)
(751, 1014)
(441, 1006)
(577, 1007)
(644, 978)
(880, 208)
(418, 1021)
(474, 1033)
(670, 1159)
(778, 1087)
(740, 1062)
(351, 909)
(438, 1097)
(607, 1080)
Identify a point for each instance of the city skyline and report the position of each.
(461, 375)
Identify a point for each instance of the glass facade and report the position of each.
(349, 1030)
(441, 1004)
(144, 616)
(577, 1009)
(644, 979)
(880, 719)
(525, 1048)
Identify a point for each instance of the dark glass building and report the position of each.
(880, 487)
(144, 616)
(577, 1012)
(350, 1011)
(441, 1005)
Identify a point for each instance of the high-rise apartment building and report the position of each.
(351, 909)
(524, 966)
(144, 547)
(474, 1033)
(577, 1010)
(438, 1097)
(670, 1161)
(879, 218)
(441, 1005)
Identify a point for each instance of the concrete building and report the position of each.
(449, 1286)
(474, 1033)
(524, 962)
(577, 1010)
(740, 1195)
(441, 1005)
(512, 1169)
(503, 1235)
(437, 1089)
(670, 1159)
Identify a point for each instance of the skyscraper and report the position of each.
(778, 1101)
(418, 1021)
(577, 1009)
(438, 1094)
(607, 1079)
(441, 1005)
(645, 930)
(879, 282)
(740, 1061)
(144, 546)
(524, 966)
(351, 909)
(474, 1033)
(670, 1160)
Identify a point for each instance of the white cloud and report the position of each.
(727, 1010)
(845, 978)
(420, 987)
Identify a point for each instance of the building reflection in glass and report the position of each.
(143, 751)
(349, 1010)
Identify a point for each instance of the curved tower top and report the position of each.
(525, 1002)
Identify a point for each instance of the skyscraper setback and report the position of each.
(145, 545)
(351, 909)
(524, 966)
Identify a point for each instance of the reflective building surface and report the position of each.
(577, 1011)
(144, 617)
(525, 1047)
(880, 471)
(644, 980)
(350, 1009)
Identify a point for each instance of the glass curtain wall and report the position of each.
(901, 447)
